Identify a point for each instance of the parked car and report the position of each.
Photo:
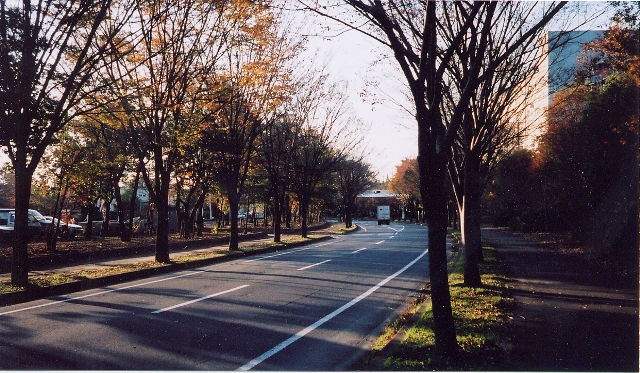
(67, 230)
(7, 223)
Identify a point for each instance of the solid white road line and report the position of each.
(200, 299)
(357, 251)
(313, 265)
(251, 364)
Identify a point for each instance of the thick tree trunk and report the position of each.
(19, 258)
(470, 222)
(304, 213)
(435, 203)
(162, 232)
(348, 216)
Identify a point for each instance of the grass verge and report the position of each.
(481, 316)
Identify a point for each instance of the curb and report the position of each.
(394, 343)
(92, 283)
(61, 258)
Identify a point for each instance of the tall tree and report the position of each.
(48, 52)
(412, 31)
(276, 148)
(321, 114)
(492, 125)
(256, 84)
(172, 48)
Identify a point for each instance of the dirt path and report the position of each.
(566, 318)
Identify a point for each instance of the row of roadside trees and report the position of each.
(192, 94)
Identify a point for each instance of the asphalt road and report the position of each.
(310, 308)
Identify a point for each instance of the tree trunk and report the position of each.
(435, 203)
(287, 212)
(106, 216)
(432, 163)
(348, 218)
(88, 233)
(304, 212)
(277, 217)
(162, 232)
(19, 259)
(234, 237)
(128, 232)
(470, 222)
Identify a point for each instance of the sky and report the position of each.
(376, 91)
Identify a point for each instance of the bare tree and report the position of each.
(275, 149)
(321, 114)
(48, 52)
(411, 30)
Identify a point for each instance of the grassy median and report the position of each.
(481, 316)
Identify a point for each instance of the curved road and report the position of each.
(309, 308)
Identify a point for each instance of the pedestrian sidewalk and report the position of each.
(565, 317)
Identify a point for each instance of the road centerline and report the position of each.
(200, 299)
(313, 265)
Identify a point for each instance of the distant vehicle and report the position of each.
(384, 215)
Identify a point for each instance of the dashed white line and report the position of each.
(99, 293)
(313, 265)
(251, 364)
(357, 251)
(200, 299)
(274, 255)
(379, 242)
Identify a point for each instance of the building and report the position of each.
(561, 55)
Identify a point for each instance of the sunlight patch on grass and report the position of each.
(481, 315)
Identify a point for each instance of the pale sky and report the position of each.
(359, 60)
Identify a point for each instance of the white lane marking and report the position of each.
(274, 255)
(313, 265)
(397, 230)
(293, 251)
(251, 364)
(200, 299)
(99, 293)
(379, 242)
(357, 251)
(330, 242)
(363, 228)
